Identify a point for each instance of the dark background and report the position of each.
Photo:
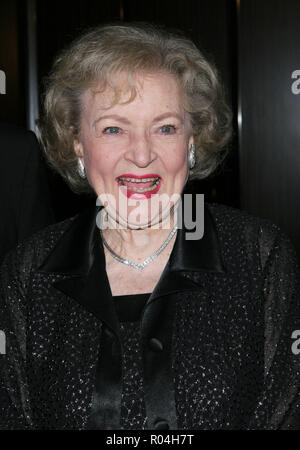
(253, 43)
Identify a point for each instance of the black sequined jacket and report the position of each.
(218, 333)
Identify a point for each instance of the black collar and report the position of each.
(75, 252)
(79, 257)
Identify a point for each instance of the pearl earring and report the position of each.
(81, 168)
(192, 160)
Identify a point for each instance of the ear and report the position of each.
(78, 148)
(191, 141)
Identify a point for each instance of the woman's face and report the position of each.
(136, 153)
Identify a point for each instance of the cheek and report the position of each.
(177, 162)
(99, 161)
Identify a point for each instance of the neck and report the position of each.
(138, 244)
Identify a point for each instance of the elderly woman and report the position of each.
(116, 318)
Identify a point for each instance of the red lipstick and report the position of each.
(146, 175)
(130, 185)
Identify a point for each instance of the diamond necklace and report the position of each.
(148, 260)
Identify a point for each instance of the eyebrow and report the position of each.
(168, 115)
(113, 116)
(127, 122)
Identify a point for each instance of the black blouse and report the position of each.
(129, 310)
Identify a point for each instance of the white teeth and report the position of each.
(138, 180)
(157, 180)
(147, 189)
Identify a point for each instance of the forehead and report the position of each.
(159, 92)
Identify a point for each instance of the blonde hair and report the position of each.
(110, 49)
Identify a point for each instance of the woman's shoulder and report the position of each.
(231, 219)
(46, 238)
(239, 229)
(33, 250)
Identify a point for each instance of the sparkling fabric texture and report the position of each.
(232, 361)
(133, 414)
(133, 410)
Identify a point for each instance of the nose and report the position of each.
(141, 152)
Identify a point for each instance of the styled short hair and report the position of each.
(99, 54)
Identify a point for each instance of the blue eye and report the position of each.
(168, 129)
(111, 130)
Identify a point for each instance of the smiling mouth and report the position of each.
(139, 185)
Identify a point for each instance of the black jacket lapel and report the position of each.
(79, 256)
